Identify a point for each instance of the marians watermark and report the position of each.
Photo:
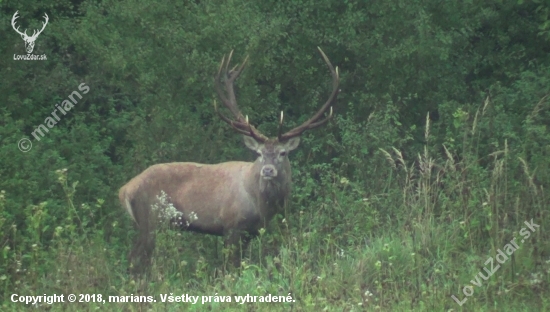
(25, 144)
(29, 40)
(501, 257)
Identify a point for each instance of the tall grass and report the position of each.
(440, 215)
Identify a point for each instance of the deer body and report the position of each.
(231, 199)
(225, 196)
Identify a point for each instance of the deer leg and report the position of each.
(141, 254)
(144, 245)
(236, 242)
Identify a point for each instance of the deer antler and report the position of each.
(13, 24)
(34, 33)
(241, 123)
(314, 121)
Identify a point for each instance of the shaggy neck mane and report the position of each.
(270, 189)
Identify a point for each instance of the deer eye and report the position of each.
(283, 154)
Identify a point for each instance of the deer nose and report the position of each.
(269, 171)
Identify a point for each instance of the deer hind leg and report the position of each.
(142, 252)
(146, 222)
(144, 243)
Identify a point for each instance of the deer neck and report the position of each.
(272, 192)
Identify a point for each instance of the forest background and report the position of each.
(438, 152)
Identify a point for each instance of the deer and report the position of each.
(232, 199)
(29, 40)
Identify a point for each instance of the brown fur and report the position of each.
(230, 199)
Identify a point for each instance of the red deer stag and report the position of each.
(233, 199)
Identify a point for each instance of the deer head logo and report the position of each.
(29, 40)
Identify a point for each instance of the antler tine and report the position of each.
(228, 60)
(230, 103)
(280, 126)
(314, 121)
(238, 126)
(241, 123)
(242, 128)
(321, 122)
(43, 24)
(13, 24)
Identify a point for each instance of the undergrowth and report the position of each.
(422, 237)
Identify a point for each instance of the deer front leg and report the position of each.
(236, 242)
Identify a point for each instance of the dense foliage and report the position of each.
(438, 153)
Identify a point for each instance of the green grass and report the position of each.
(409, 247)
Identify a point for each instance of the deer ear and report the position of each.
(251, 143)
(292, 144)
